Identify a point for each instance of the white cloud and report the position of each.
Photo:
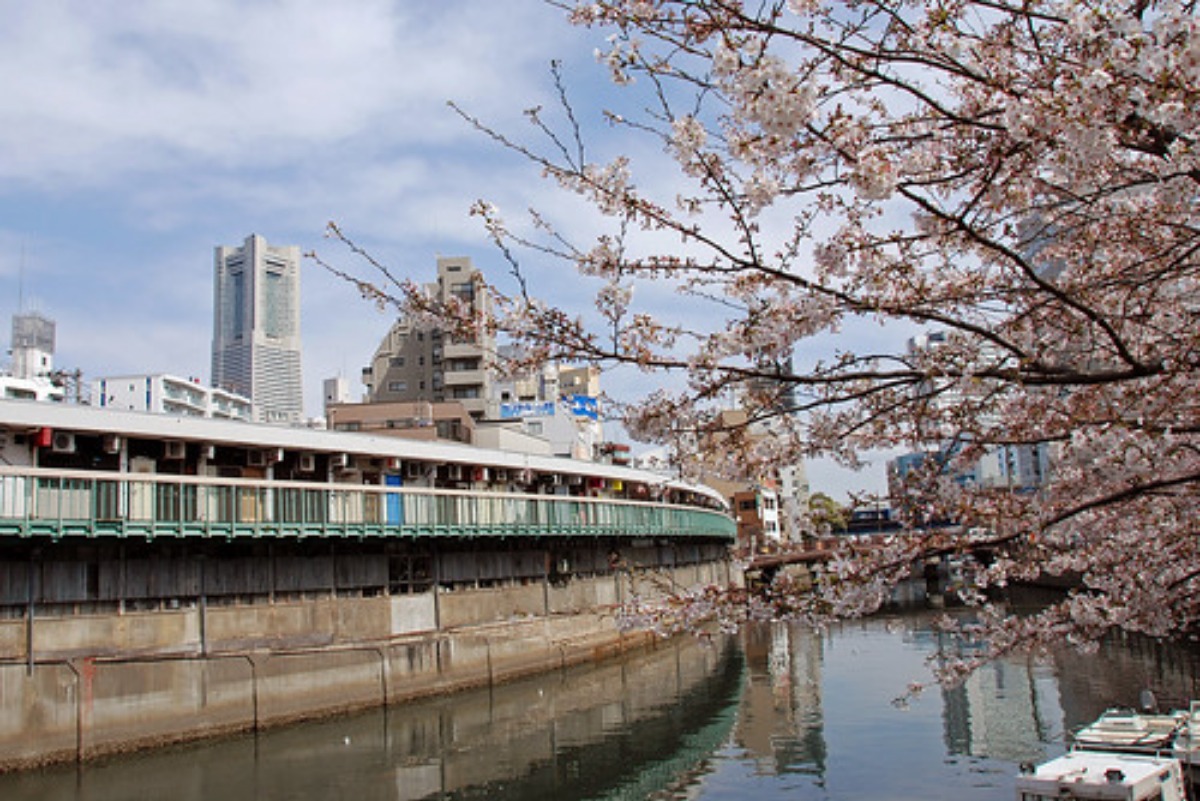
(94, 90)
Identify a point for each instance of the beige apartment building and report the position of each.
(421, 362)
(408, 419)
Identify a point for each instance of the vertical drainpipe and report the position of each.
(271, 572)
(437, 583)
(335, 604)
(80, 691)
(33, 558)
(32, 594)
(437, 615)
(546, 583)
(203, 607)
(122, 577)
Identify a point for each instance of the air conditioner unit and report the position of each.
(174, 449)
(307, 463)
(63, 442)
(454, 472)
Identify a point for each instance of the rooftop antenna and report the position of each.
(21, 281)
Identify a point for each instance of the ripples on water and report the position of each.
(778, 712)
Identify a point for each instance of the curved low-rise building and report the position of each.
(314, 570)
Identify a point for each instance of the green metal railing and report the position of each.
(73, 503)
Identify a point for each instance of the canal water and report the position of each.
(777, 712)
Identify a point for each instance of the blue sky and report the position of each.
(136, 135)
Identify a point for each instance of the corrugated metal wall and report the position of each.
(67, 572)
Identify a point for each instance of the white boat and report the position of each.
(1175, 734)
(1186, 747)
(1103, 776)
(1131, 732)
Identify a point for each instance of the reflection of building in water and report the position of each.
(1013, 708)
(625, 729)
(1120, 670)
(781, 720)
(1006, 710)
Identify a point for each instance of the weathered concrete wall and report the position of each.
(86, 708)
(578, 596)
(123, 705)
(277, 625)
(12, 637)
(466, 607)
(40, 714)
(413, 613)
(271, 664)
(414, 667)
(167, 631)
(294, 686)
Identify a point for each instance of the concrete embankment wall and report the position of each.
(92, 706)
(204, 672)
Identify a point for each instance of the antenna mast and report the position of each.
(21, 281)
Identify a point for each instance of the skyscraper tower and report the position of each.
(256, 327)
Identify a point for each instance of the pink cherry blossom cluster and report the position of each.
(1020, 179)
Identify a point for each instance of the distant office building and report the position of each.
(256, 327)
(570, 426)
(336, 390)
(168, 394)
(579, 381)
(32, 349)
(554, 403)
(1018, 467)
(1015, 467)
(32, 346)
(418, 361)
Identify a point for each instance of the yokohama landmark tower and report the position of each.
(256, 327)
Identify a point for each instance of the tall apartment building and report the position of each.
(256, 327)
(422, 362)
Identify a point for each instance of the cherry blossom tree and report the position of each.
(1015, 180)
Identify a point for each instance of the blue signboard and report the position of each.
(584, 406)
(519, 409)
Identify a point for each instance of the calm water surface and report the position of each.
(778, 712)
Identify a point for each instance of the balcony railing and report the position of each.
(76, 503)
